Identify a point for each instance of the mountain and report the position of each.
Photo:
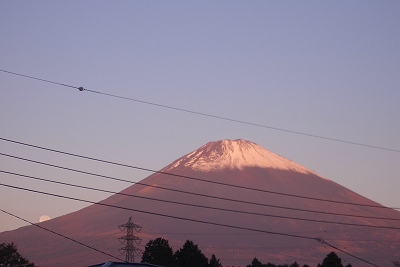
(234, 199)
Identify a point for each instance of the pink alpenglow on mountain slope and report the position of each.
(216, 156)
(234, 199)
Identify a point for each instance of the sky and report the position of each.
(323, 68)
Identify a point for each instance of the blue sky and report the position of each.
(327, 68)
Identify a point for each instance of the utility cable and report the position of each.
(191, 220)
(157, 214)
(341, 250)
(200, 206)
(197, 194)
(66, 237)
(194, 178)
(38, 79)
(206, 114)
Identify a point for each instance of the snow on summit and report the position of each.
(215, 156)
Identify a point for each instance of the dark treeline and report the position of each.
(331, 260)
(159, 252)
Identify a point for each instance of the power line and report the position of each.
(217, 117)
(155, 213)
(206, 114)
(191, 220)
(197, 194)
(38, 79)
(202, 206)
(66, 237)
(193, 178)
(332, 246)
(362, 241)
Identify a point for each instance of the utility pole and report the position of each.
(129, 240)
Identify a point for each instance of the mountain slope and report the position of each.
(239, 154)
(231, 191)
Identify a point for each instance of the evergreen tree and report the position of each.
(255, 263)
(331, 260)
(190, 256)
(158, 252)
(214, 262)
(9, 256)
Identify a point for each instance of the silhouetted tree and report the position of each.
(255, 263)
(9, 256)
(190, 256)
(158, 252)
(214, 262)
(331, 260)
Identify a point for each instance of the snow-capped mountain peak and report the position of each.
(232, 154)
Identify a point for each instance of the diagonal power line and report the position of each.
(193, 178)
(61, 235)
(205, 114)
(189, 219)
(197, 194)
(201, 206)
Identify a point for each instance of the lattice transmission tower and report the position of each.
(130, 240)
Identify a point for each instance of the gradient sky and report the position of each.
(327, 68)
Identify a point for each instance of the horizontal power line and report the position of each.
(193, 178)
(61, 235)
(362, 241)
(205, 114)
(192, 220)
(201, 195)
(201, 206)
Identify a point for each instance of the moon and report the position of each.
(44, 218)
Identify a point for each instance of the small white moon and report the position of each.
(44, 218)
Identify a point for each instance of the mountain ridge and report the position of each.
(239, 153)
(96, 225)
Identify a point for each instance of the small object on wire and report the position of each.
(81, 88)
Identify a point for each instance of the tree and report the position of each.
(190, 256)
(255, 263)
(214, 262)
(9, 256)
(158, 252)
(331, 260)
